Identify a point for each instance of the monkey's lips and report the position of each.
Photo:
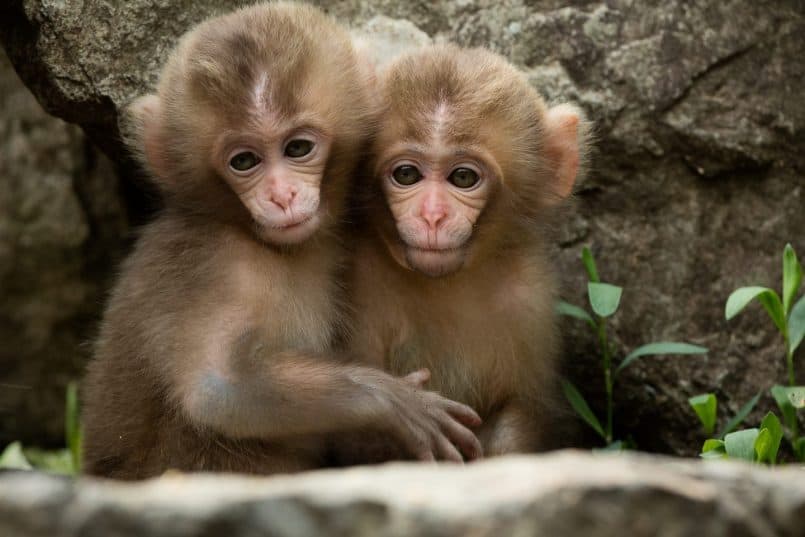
(435, 262)
(292, 231)
(294, 224)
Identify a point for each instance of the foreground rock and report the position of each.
(696, 186)
(566, 494)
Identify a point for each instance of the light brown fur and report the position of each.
(216, 348)
(484, 324)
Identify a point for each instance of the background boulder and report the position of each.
(61, 232)
(696, 182)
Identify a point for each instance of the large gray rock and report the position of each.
(696, 183)
(567, 494)
(61, 225)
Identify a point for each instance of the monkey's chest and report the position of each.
(293, 314)
(478, 367)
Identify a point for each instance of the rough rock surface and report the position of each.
(61, 225)
(696, 182)
(567, 494)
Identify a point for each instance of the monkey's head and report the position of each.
(468, 158)
(258, 120)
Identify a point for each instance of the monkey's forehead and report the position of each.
(274, 52)
(452, 73)
(460, 99)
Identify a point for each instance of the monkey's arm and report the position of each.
(248, 392)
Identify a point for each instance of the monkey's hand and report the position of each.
(418, 378)
(430, 427)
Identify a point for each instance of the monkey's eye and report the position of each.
(464, 178)
(244, 161)
(406, 175)
(298, 148)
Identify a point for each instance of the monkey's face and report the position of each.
(277, 178)
(436, 192)
(463, 134)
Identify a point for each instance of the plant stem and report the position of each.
(607, 363)
(789, 359)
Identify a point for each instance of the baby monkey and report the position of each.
(215, 351)
(453, 274)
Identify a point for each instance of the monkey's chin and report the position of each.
(289, 235)
(435, 263)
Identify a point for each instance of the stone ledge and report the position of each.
(565, 493)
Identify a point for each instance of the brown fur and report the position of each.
(216, 348)
(486, 331)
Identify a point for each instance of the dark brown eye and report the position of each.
(406, 175)
(298, 148)
(244, 161)
(464, 178)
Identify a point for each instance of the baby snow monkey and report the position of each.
(453, 273)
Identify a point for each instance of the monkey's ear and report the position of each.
(143, 129)
(564, 146)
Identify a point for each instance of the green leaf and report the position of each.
(740, 416)
(763, 446)
(770, 424)
(604, 298)
(565, 308)
(796, 394)
(617, 446)
(739, 298)
(58, 461)
(13, 458)
(705, 407)
(72, 426)
(713, 449)
(741, 444)
(796, 324)
(774, 308)
(792, 276)
(661, 347)
(799, 448)
(780, 394)
(589, 264)
(580, 406)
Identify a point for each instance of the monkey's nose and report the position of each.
(283, 197)
(433, 217)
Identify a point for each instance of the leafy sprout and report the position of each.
(604, 300)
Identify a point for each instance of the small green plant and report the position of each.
(789, 318)
(755, 445)
(62, 461)
(604, 300)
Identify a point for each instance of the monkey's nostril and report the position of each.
(433, 218)
(282, 198)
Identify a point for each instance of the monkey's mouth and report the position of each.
(435, 262)
(289, 232)
(295, 224)
(435, 250)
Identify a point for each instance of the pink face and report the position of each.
(277, 177)
(436, 194)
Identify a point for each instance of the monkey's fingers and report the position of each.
(418, 378)
(463, 438)
(447, 451)
(417, 437)
(461, 412)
